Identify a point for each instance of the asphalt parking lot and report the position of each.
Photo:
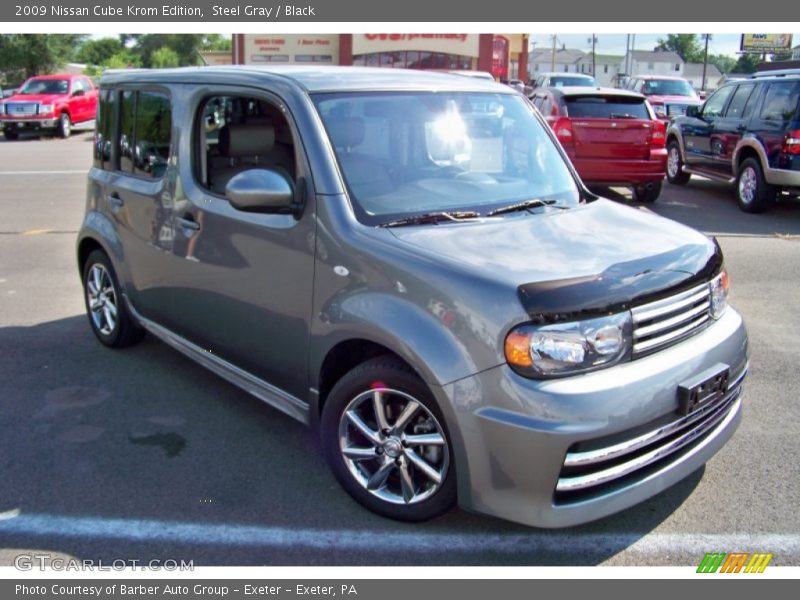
(142, 454)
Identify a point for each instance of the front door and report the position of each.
(699, 139)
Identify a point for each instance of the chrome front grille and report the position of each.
(589, 470)
(676, 110)
(21, 109)
(665, 322)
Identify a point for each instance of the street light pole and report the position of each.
(705, 62)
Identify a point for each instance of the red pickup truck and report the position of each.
(50, 103)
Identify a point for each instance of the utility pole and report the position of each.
(707, 36)
(593, 41)
(553, 57)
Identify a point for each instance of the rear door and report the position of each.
(610, 126)
(776, 115)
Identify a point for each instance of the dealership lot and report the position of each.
(142, 454)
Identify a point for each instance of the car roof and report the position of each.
(56, 76)
(557, 74)
(576, 90)
(670, 77)
(313, 78)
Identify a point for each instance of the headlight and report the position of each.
(45, 109)
(660, 110)
(719, 294)
(569, 348)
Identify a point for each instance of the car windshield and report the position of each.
(668, 87)
(408, 153)
(45, 86)
(564, 81)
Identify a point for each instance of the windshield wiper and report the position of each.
(523, 206)
(433, 217)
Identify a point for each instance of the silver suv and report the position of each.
(408, 263)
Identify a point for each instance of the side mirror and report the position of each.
(261, 190)
(78, 93)
(692, 111)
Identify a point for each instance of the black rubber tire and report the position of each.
(645, 194)
(10, 135)
(765, 194)
(64, 126)
(393, 373)
(680, 177)
(126, 331)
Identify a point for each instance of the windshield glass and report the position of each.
(45, 86)
(408, 153)
(565, 81)
(668, 87)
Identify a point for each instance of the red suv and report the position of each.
(51, 103)
(669, 96)
(611, 136)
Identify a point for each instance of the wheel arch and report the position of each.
(749, 148)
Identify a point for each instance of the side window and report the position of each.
(102, 134)
(716, 102)
(739, 100)
(153, 130)
(77, 86)
(87, 85)
(233, 134)
(127, 120)
(780, 101)
(751, 102)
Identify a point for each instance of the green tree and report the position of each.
(97, 52)
(723, 62)
(217, 43)
(686, 45)
(25, 55)
(124, 59)
(747, 63)
(164, 58)
(186, 46)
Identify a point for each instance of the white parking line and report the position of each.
(72, 172)
(536, 542)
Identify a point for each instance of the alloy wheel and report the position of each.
(673, 162)
(102, 299)
(748, 184)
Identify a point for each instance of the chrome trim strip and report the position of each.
(671, 336)
(718, 420)
(266, 392)
(580, 459)
(641, 332)
(645, 312)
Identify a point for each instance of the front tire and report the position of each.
(647, 194)
(386, 442)
(10, 135)
(64, 126)
(109, 318)
(675, 172)
(753, 193)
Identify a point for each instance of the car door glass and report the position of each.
(77, 86)
(127, 122)
(739, 101)
(716, 103)
(153, 129)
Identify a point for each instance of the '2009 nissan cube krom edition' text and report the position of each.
(408, 263)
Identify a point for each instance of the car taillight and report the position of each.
(791, 144)
(658, 134)
(563, 130)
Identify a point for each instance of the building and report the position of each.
(503, 55)
(542, 60)
(796, 52)
(656, 62)
(693, 73)
(216, 57)
(607, 67)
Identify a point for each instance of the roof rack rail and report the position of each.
(775, 73)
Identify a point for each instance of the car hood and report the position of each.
(673, 99)
(43, 98)
(596, 257)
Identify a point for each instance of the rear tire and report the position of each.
(647, 194)
(109, 318)
(753, 193)
(10, 135)
(399, 465)
(675, 173)
(64, 126)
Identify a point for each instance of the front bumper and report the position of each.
(618, 171)
(512, 435)
(28, 124)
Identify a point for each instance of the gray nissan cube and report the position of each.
(407, 262)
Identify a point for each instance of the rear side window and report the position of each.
(102, 134)
(145, 127)
(781, 100)
(739, 101)
(606, 107)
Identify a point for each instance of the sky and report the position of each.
(613, 43)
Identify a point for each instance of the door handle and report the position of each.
(188, 223)
(115, 201)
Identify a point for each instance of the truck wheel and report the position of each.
(108, 316)
(754, 194)
(386, 442)
(647, 193)
(64, 126)
(10, 135)
(675, 173)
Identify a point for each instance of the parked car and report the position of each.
(747, 133)
(670, 97)
(51, 103)
(558, 80)
(408, 262)
(611, 136)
